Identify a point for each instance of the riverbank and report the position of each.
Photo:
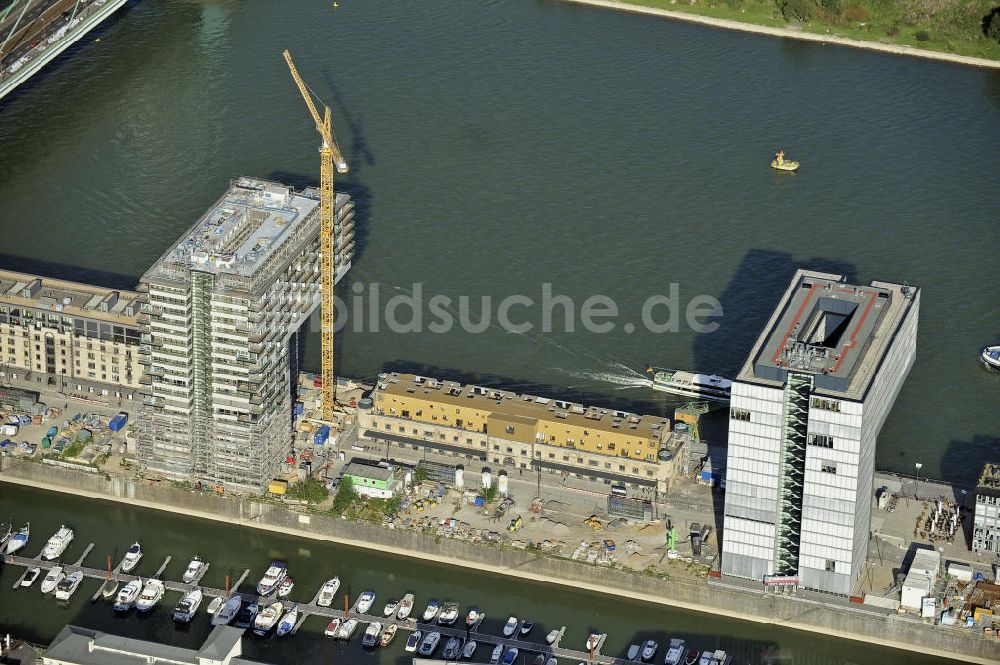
(855, 622)
(790, 32)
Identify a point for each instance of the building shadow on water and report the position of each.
(56, 270)
(747, 303)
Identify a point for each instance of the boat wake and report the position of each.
(619, 374)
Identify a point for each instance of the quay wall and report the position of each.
(854, 622)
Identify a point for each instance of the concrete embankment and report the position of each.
(791, 33)
(858, 623)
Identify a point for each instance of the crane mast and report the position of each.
(329, 154)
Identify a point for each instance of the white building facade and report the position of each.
(805, 415)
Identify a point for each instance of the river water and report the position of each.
(501, 145)
(229, 550)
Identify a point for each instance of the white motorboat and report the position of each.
(109, 589)
(52, 578)
(991, 356)
(372, 633)
(433, 607)
(649, 649)
(131, 558)
(287, 623)
(286, 587)
(690, 384)
(721, 658)
(526, 627)
(347, 629)
(187, 607)
(30, 576)
(510, 627)
(273, 577)
(405, 607)
(472, 616)
(193, 571)
(633, 652)
(152, 592)
(552, 636)
(469, 650)
(497, 653)
(429, 644)
(225, 614)
(127, 596)
(390, 608)
(448, 614)
(58, 543)
(706, 658)
(675, 652)
(413, 641)
(365, 601)
(18, 540)
(333, 627)
(6, 534)
(268, 618)
(594, 641)
(67, 586)
(453, 648)
(327, 593)
(510, 657)
(214, 606)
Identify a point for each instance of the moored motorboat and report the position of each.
(230, 608)
(272, 579)
(649, 649)
(268, 618)
(152, 592)
(247, 614)
(433, 607)
(58, 543)
(453, 648)
(552, 636)
(510, 627)
(633, 652)
(675, 652)
(720, 657)
(497, 653)
(526, 627)
(328, 592)
(365, 601)
(429, 644)
(472, 616)
(469, 650)
(193, 571)
(413, 641)
(405, 607)
(448, 614)
(189, 603)
(552, 661)
(127, 596)
(287, 623)
(372, 634)
(347, 629)
(692, 657)
(510, 656)
(991, 356)
(388, 634)
(286, 587)
(131, 558)
(109, 589)
(68, 585)
(214, 606)
(17, 540)
(333, 627)
(706, 658)
(30, 576)
(390, 608)
(594, 641)
(52, 578)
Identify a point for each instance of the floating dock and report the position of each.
(311, 608)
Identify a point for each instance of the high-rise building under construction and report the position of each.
(223, 304)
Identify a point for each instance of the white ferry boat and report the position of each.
(273, 578)
(689, 384)
(58, 543)
(151, 594)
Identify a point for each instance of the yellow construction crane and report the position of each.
(329, 153)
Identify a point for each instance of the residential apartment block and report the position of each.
(223, 306)
(74, 338)
(806, 411)
(511, 431)
(986, 523)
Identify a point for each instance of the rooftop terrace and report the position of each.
(835, 331)
(69, 298)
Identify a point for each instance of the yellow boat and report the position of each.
(779, 162)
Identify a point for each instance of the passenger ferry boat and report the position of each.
(689, 384)
(58, 543)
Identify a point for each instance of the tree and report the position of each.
(991, 24)
(311, 491)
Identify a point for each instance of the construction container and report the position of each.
(118, 422)
(278, 487)
(322, 434)
(85, 435)
(9, 430)
(46, 442)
